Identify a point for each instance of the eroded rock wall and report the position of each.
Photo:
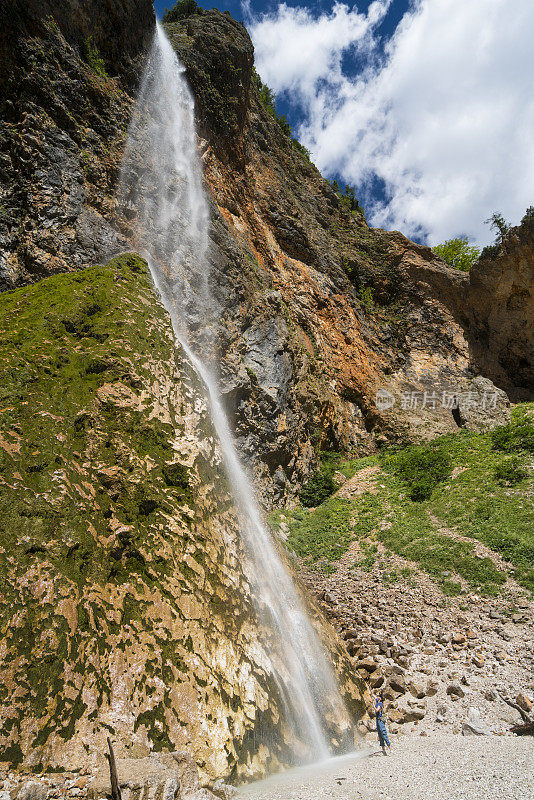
(126, 609)
(319, 311)
(68, 72)
(500, 312)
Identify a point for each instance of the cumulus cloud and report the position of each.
(442, 116)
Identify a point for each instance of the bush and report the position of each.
(510, 471)
(514, 437)
(528, 215)
(93, 58)
(421, 468)
(182, 9)
(490, 251)
(302, 150)
(317, 489)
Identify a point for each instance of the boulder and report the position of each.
(32, 790)
(338, 478)
(163, 776)
(432, 688)
(398, 683)
(223, 790)
(474, 726)
(455, 691)
(482, 406)
(471, 729)
(524, 702)
(416, 689)
(366, 664)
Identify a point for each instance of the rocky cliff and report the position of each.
(125, 604)
(500, 313)
(318, 311)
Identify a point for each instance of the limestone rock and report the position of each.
(32, 790)
(223, 791)
(482, 405)
(524, 702)
(455, 691)
(118, 516)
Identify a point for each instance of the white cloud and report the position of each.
(445, 118)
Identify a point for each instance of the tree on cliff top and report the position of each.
(457, 253)
(182, 9)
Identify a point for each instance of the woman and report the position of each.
(380, 724)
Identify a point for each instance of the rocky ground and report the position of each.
(498, 768)
(443, 663)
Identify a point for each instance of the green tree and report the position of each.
(498, 223)
(458, 253)
(182, 9)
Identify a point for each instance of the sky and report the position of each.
(426, 107)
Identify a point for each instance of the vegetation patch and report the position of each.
(421, 469)
(429, 502)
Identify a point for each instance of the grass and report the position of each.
(473, 501)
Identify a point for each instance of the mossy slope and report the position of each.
(125, 607)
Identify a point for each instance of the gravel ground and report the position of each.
(437, 767)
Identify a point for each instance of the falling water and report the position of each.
(161, 182)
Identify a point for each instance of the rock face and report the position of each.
(126, 608)
(319, 312)
(332, 334)
(501, 313)
(63, 123)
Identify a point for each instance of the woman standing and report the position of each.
(381, 725)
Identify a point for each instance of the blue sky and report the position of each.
(424, 106)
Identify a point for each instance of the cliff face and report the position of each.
(500, 312)
(65, 72)
(319, 311)
(125, 604)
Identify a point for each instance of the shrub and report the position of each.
(182, 9)
(421, 468)
(93, 58)
(302, 150)
(317, 489)
(457, 253)
(510, 471)
(528, 215)
(514, 437)
(490, 250)
(348, 198)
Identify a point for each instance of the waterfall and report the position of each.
(161, 182)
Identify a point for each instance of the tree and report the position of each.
(182, 9)
(458, 253)
(498, 223)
